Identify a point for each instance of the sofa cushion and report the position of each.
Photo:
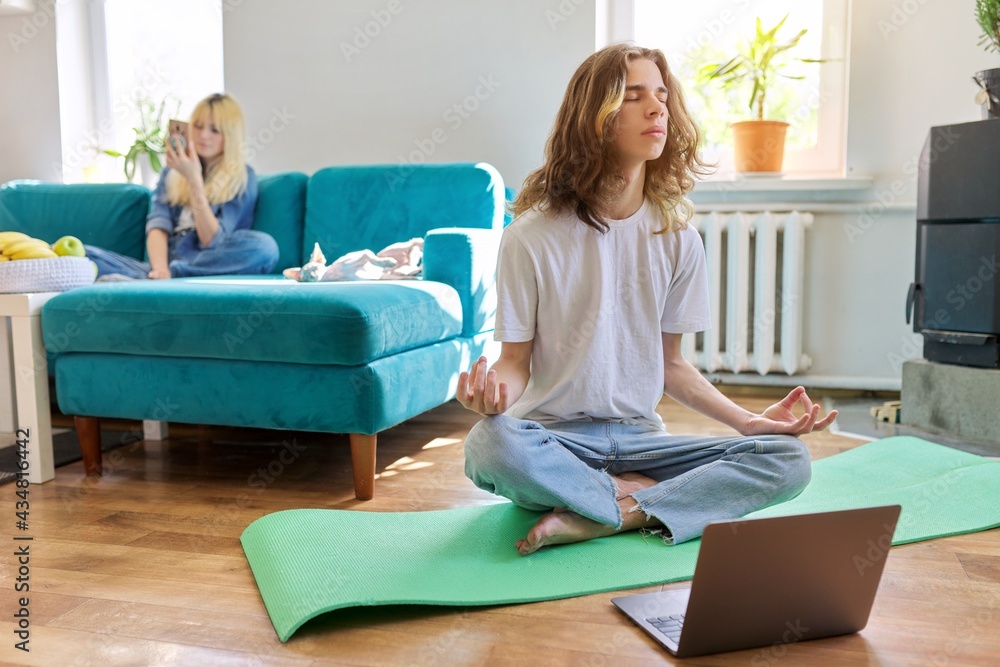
(108, 215)
(339, 399)
(253, 318)
(359, 207)
(280, 212)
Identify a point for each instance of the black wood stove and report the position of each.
(954, 299)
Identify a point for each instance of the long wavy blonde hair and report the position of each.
(582, 171)
(227, 178)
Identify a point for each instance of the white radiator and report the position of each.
(755, 274)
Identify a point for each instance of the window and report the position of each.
(115, 55)
(709, 31)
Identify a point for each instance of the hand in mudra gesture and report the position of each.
(479, 391)
(780, 418)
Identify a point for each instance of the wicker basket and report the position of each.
(54, 274)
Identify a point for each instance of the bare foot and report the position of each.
(563, 526)
(630, 482)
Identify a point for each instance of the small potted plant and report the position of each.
(759, 144)
(988, 80)
(148, 146)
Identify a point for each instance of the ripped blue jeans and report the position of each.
(569, 465)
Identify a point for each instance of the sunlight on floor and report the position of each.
(441, 442)
(406, 463)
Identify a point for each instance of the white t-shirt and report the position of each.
(185, 220)
(594, 304)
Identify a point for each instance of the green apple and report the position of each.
(69, 246)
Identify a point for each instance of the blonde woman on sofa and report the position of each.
(199, 222)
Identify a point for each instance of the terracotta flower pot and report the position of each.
(759, 145)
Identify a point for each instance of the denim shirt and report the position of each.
(237, 213)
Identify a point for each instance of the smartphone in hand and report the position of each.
(177, 134)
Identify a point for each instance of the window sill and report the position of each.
(851, 194)
(735, 183)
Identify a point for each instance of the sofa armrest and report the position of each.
(466, 259)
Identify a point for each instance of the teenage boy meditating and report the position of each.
(599, 276)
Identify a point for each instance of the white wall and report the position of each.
(908, 71)
(29, 133)
(29, 130)
(29, 114)
(310, 105)
(911, 69)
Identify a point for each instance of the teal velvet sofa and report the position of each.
(265, 351)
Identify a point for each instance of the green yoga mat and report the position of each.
(307, 562)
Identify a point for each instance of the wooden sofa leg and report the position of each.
(363, 462)
(88, 432)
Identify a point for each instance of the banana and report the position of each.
(11, 248)
(10, 237)
(7, 238)
(4, 258)
(35, 252)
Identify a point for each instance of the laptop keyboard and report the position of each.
(670, 626)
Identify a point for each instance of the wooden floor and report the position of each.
(144, 567)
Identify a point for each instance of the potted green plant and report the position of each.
(988, 80)
(758, 144)
(148, 147)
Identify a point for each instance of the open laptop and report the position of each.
(779, 580)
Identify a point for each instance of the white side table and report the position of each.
(31, 378)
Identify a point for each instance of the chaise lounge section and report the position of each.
(265, 351)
